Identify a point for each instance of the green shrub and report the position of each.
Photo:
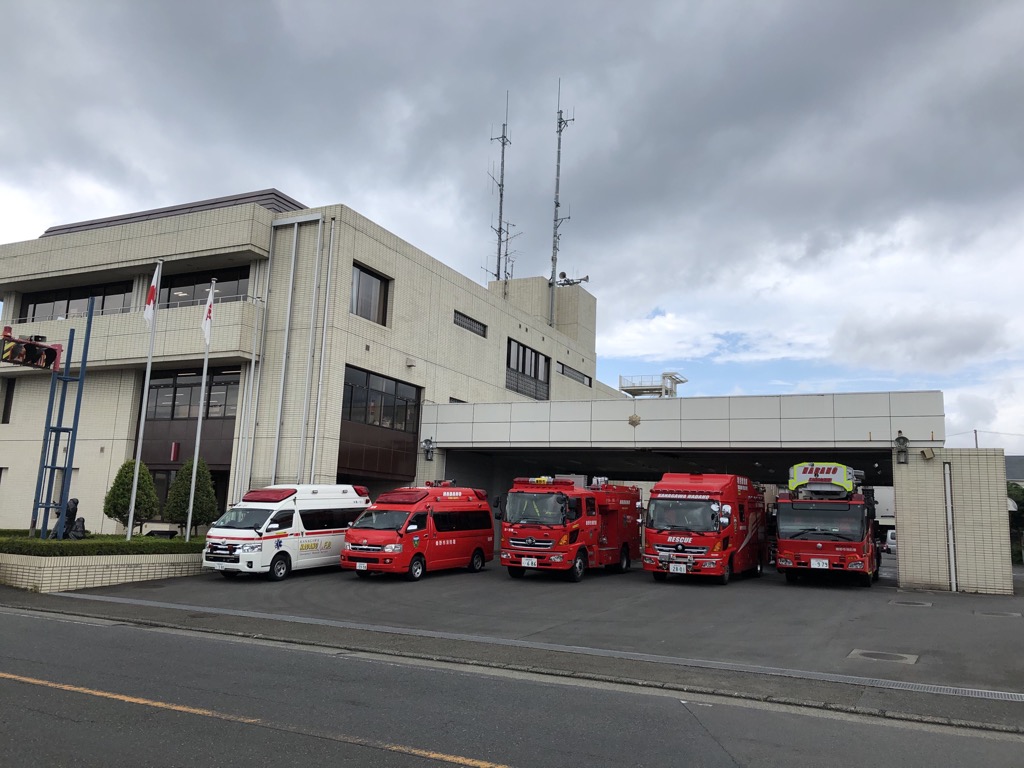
(118, 499)
(204, 505)
(98, 545)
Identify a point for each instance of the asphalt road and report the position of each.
(931, 657)
(88, 692)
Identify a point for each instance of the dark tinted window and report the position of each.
(328, 519)
(283, 519)
(381, 401)
(468, 520)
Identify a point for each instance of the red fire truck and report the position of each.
(826, 522)
(705, 525)
(555, 524)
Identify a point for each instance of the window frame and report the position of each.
(372, 287)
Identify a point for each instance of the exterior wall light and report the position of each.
(428, 448)
(902, 444)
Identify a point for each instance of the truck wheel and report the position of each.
(416, 569)
(726, 573)
(866, 580)
(579, 567)
(476, 562)
(280, 567)
(659, 575)
(624, 562)
(758, 570)
(791, 577)
(514, 572)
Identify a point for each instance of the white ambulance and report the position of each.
(277, 529)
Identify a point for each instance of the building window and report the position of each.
(527, 371)
(193, 288)
(573, 374)
(467, 322)
(380, 401)
(174, 396)
(64, 303)
(455, 400)
(369, 295)
(8, 400)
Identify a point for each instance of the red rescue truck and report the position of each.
(415, 530)
(705, 525)
(556, 525)
(826, 522)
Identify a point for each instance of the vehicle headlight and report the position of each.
(857, 565)
(556, 558)
(255, 546)
(392, 547)
(347, 546)
(785, 561)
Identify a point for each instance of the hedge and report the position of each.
(18, 543)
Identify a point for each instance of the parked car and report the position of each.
(890, 543)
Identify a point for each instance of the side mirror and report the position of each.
(498, 514)
(350, 523)
(723, 522)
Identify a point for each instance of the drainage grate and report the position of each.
(911, 603)
(997, 613)
(900, 658)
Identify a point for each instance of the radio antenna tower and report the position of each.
(560, 125)
(500, 181)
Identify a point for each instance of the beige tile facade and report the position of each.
(975, 503)
(59, 574)
(296, 320)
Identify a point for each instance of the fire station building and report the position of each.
(340, 353)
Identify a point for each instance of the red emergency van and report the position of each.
(415, 530)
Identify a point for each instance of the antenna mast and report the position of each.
(500, 231)
(560, 125)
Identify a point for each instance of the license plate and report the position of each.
(218, 566)
(819, 562)
(529, 562)
(360, 566)
(676, 568)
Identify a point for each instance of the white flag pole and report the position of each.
(207, 327)
(149, 312)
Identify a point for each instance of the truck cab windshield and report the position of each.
(541, 508)
(821, 521)
(250, 518)
(382, 519)
(697, 515)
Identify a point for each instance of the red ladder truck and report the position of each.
(557, 525)
(705, 525)
(826, 523)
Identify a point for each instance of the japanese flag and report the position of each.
(208, 315)
(150, 309)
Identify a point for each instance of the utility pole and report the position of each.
(500, 181)
(560, 125)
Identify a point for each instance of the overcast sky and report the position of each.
(768, 197)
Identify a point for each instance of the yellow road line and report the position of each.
(353, 740)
